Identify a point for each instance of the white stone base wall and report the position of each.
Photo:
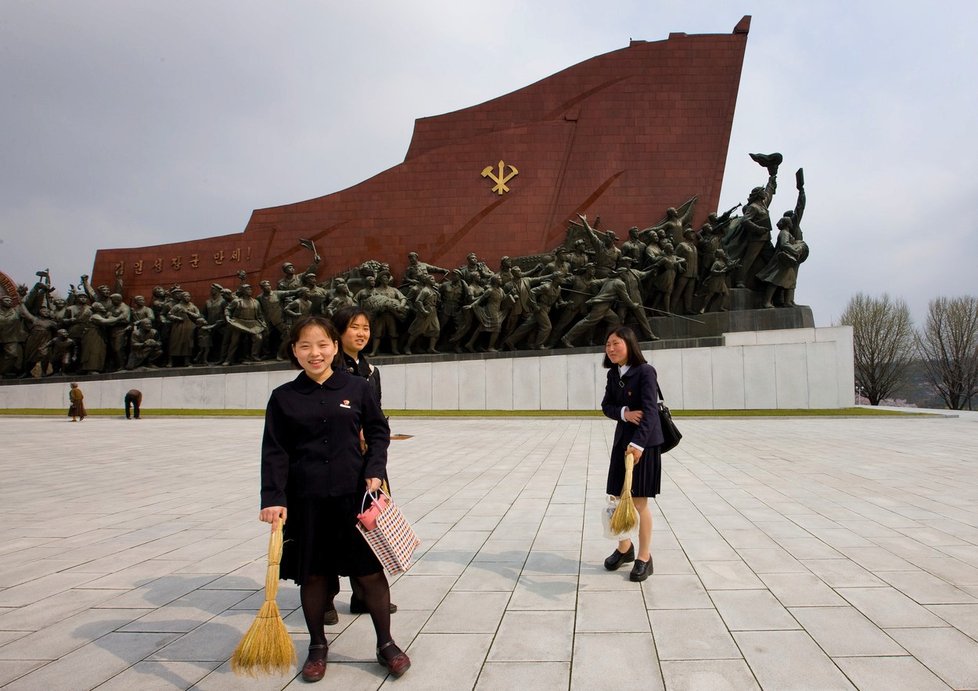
(793, 368)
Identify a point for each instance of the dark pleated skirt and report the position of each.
(321, 539)
(646, 475)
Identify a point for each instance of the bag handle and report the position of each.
(373, 496)
(658, 389)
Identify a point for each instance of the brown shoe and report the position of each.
(314, 670)
(398, 664)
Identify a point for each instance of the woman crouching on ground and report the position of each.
(314, 473)
(631, 398)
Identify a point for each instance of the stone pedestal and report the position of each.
(713, 324)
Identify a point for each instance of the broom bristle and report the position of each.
(625, 517)
(266, 647)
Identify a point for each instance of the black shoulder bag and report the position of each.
(670, 433)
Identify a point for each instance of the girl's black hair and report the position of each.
(627, 334)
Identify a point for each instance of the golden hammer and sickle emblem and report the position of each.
(501, 179)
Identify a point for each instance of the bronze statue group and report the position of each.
(567, 298)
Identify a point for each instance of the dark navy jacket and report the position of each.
(311, 446)
(637, 390)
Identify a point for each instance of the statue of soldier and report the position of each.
(601, 307)
(520, 290)
(578, 256)
(452, 296)
(606, 253)
(78, 320)
(487, 312)
(473, 265)
(752, 236)
(634, 247)
(673, 226)
(95, 344)
(666, 269)
(687, 278)
(213, 312)
(781, 272)
(273, 307)
(634, 280)
(183, 317)
(245, 318)
(715, 288)
(710, 240)
(119, 316)
(580, 287)
(300, 307)
(145, 346)
(12, 337)
(318, 296)
(58, 310)
(291, 280)
(385, 307)
(61, 352)
(342, 298)
(545, 297)
(416, 269)
(472, 290)
(425, 322)
(505, 271)
(36, 351)
(140, 310)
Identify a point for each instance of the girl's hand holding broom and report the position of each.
(270, 514)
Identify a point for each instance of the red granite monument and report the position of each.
(624, 135)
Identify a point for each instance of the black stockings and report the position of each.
(315, 596)
(376, 594)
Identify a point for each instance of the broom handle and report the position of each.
(274, 559)
(629, 466)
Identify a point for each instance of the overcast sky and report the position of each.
(127, 123)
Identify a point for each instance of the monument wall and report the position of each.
(625, 135)
(807, 368)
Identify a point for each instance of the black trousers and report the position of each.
(134, 402)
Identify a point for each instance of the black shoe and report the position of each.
(641, 570)
(358, 606)
(617, 558)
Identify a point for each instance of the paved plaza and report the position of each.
(789, 553)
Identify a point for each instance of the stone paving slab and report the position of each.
(789, 553)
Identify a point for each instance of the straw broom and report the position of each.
(266, 647)
(625, 517)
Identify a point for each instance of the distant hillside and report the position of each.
(918, 390)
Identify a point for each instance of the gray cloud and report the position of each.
(134, 123)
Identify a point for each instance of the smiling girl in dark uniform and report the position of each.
(314, 472)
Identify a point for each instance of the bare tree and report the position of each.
(948, 346)
(883, 342)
